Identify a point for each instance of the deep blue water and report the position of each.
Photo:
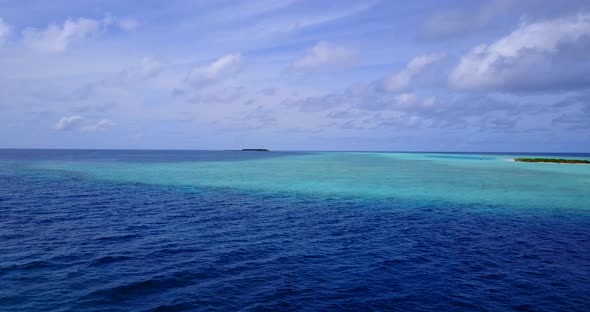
(73, 243)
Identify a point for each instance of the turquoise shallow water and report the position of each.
(491, 180)
(230, 231)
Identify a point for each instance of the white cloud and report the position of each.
(100, 125)
(534, 55)
(221, 68)
(56, 38)
(405, 98)
(128, 24)
(5, 31)
(80, 123)
(288, 24)
(325, 54)
(69, 123)
(402, 79)
(148, 68)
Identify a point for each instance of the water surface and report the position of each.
(209, 230)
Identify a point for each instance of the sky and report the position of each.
(495, 75)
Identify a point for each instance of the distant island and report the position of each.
(553, 160)
(255, 150)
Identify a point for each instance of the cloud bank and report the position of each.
(403, 79)
(80, 123)
(299, 74)
(536, 56)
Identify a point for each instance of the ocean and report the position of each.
(131, 230)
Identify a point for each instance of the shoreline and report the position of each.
(561, 161)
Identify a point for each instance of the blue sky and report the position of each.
(296, 75)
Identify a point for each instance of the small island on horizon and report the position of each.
(248, 150)
(553, 160)
(255, 150)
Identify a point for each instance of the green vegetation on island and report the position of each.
(553, 160)
(255, 150)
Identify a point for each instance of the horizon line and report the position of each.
(292, 150)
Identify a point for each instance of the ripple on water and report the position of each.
(120, 247)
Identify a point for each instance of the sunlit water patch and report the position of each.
(456, 178)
